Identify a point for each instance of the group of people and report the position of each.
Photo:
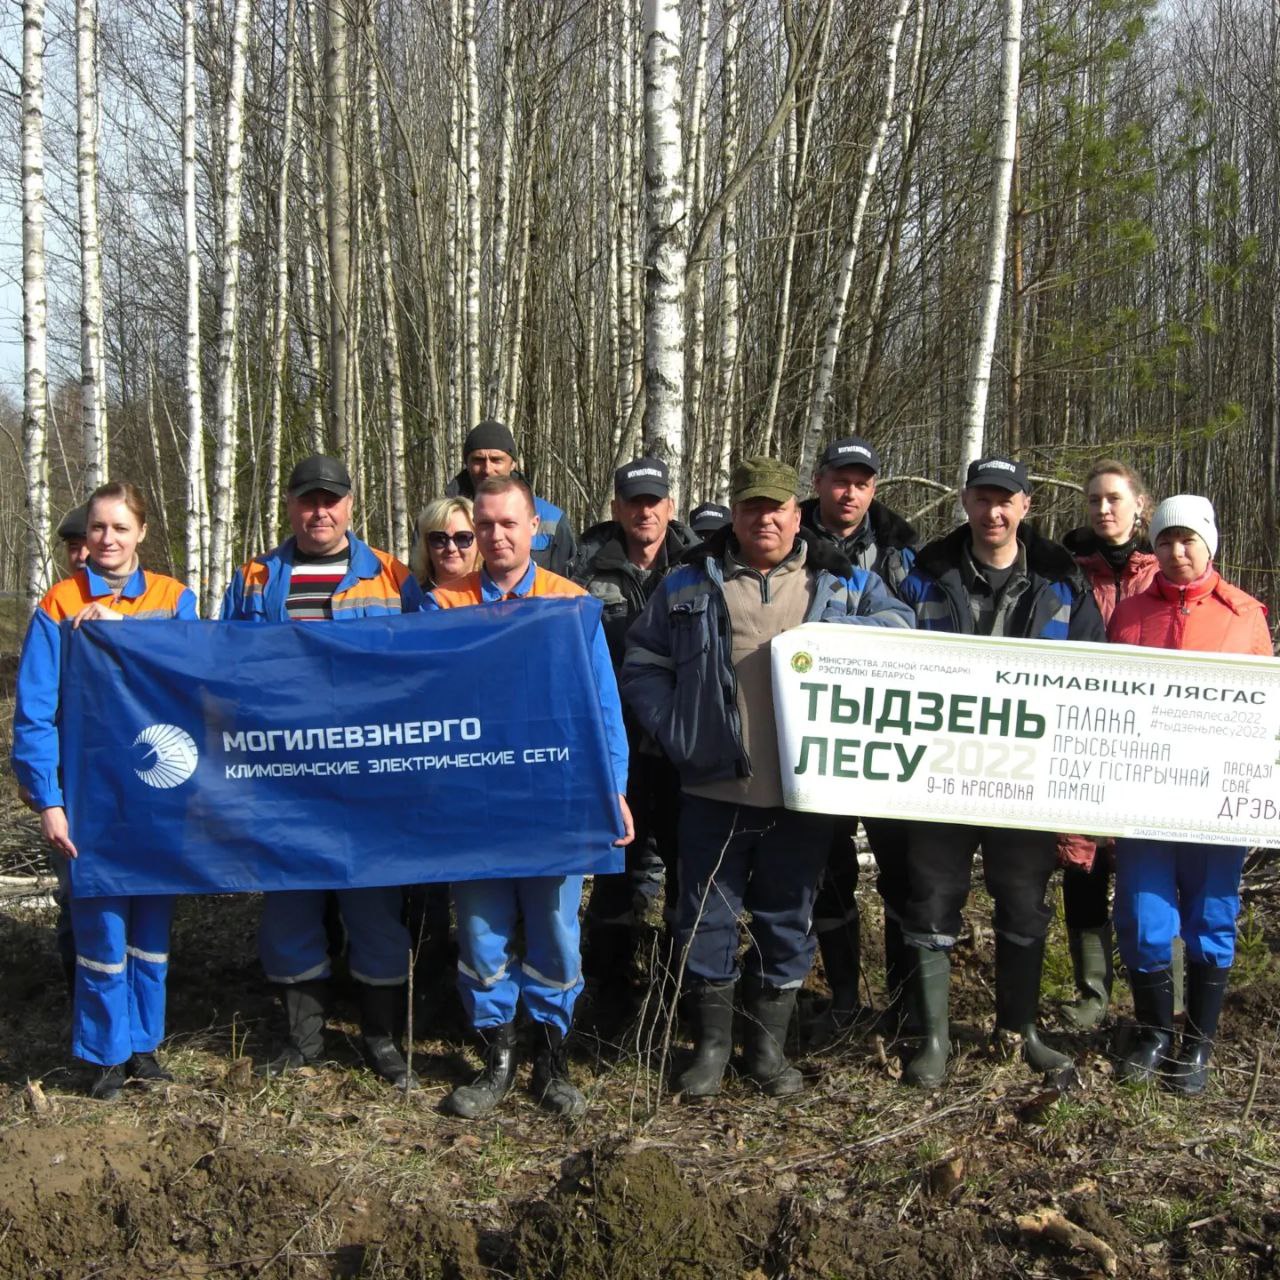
(681, 662)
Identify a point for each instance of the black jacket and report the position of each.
(884, 542)
(1054, 603)
(602, 566)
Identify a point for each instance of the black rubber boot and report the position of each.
(549, 1082)
(1153, 1006)
(1018, 970)
(767, 1015)
(710, 1006)
(305, 1007)
(108, 1083)
(1092, 965)
(143, 1066)
(489, 1088)
(1206, 990)
(902, 1015)
(381, 1013)
(841, 950)
(931, 988)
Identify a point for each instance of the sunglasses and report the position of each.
(437, 540)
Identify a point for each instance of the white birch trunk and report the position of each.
(628, 122)
(695, 178)
(665, 242)
(972, 439)
(35, 307)
(727, 364)
(390, 344)
(501, 213)
(471, 160)
(280, 327)
(225, 461)
(197, 503)
(92, 360)
(849, 256)
(338, 204)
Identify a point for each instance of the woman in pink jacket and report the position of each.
(1165, 887)
(1115, 556)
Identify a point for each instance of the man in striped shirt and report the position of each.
(325, 572)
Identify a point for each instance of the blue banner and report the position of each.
(207, 757)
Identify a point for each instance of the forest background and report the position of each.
(257, 228)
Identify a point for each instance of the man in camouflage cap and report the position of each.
(697, 676)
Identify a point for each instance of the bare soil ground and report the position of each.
(330, 1174)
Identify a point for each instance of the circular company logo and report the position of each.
(803, 663)
(171, 755)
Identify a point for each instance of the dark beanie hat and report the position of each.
(489, 435)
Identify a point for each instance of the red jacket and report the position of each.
(1209, 615)
(1109, 588)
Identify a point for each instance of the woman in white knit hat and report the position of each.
(1165, 887)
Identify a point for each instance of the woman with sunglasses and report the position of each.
(446, 550)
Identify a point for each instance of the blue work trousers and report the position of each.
(767, 862)
(122, 960)
(1164, 888)
(295, 948)
(491, 977)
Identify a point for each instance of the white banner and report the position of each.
(1096, 739)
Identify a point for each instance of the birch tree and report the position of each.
(35, 385)
(92, 360)
(665, 245)
(197, 498)
(390, 345)
(471, 162)
(224, 496)
(338, 208)
(849, 254)
(972, 440)
(280, 319)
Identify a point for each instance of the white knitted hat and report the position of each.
(1187, 511)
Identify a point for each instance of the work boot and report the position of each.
(710, 1007)
(1018, 970)
(380, 1016)
(108, 1083)
(305, 1006)
(1206, 990)
(842, 964)
(767, 1014)
(549, 1082)
(1092, 965)
(902, 1017)
(931, 991)
(143, 1066)
(489, 1088)
(1153, 1006)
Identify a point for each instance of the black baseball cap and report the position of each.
(647, 476)
(319, 472)
(1000, 473)
(853, 451)
(75, 524)
(707, 517)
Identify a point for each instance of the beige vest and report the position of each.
(759, 609)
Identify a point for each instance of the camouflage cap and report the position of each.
(763, 478)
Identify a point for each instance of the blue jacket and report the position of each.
(678, 678)
(1052, 601)
(375, 585)
(479, 588)
(37, 752)
(554, 546)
